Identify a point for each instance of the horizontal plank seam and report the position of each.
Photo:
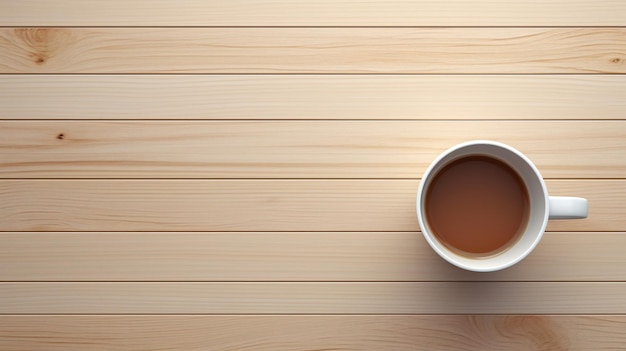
(276, 231)
(269, 179)
(312, 314)
(295, 232)
(304, 74)
(290, 314)
(375, 282)
(304, 27)
(292, 120)
(378, 282)
(356, 232)
(316, 74)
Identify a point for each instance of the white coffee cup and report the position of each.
(542, 206)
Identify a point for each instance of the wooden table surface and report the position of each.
(241, 174)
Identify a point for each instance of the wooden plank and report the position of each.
(313, 13)
(313, 50)
(294, 149)
(287, 333)
(314, 298)
(303, 256)
(312, 97)
(255, 205)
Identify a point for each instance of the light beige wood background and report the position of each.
(241, 174)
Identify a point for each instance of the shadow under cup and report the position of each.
(538, 203)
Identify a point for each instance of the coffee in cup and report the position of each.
(483, 206)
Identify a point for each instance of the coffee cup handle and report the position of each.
(568, 207)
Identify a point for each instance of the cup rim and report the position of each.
(448, 255)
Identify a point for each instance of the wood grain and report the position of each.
(295, 149)
(313, 13)
(314, 298)
(288, 333)
(292, 226)
(255, 205)
(312, 97)
(313, 50)
(294, 256)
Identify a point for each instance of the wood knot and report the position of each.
(616, 60)
(43, 43)
(538, 330)
(61, 136)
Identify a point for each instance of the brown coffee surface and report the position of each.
(477, 205)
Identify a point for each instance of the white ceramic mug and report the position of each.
(542, 206)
